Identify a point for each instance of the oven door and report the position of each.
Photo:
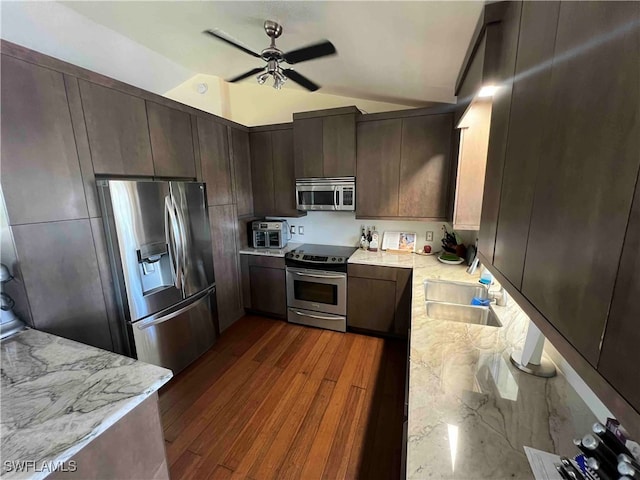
(316, 197)
(317, 290)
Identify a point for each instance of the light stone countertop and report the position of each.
(470, 411)
(57, 395)
(270, 252)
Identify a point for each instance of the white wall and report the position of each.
(251, 104)
(58, 31)
(342, 228)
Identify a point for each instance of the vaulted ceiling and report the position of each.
(401, 52)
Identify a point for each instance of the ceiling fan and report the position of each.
(274, 57)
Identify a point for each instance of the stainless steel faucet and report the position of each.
(500, 296)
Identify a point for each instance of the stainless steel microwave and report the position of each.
(326, 193)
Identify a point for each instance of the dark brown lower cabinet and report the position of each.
(379, 299)
(264, 284)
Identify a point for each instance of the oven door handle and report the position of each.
(317, 317)
(319, 276)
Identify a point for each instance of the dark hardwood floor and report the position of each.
(276, 400)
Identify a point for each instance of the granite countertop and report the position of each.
(57, 395)
(470, 411)
(270, 252)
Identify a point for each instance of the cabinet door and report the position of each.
(226, 264)
(41, 177)
(214, 156)
(339, 145)
(378, 168)
(500, 60)
(60, 272)
(587, 176)
(529, 113)
(371, 304)
(241, 163)
(284, 178)
(307, 134)
(118, 131)
(262, 173)
(268, 290)
(425, 163)
(622, 336)
(171, 141)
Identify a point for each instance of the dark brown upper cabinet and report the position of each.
(622, 336)
(404, 167)
(241, 164)
(325, 143)
(262, 173)
(118, 131)
(171, 141)
(588, 172)
(497, 47)
(272, 171)
(284, 182)
(530, 105)
(41, 178)
(214, 156)
(425, 166)
(377, 188)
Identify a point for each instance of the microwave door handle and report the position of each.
(336, 197)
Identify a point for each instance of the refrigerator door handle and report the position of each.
(183, 242)
(155, 320)
(172, 241)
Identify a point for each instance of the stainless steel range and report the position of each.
(317, 286)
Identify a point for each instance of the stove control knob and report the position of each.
(333, 259)
(340, 259)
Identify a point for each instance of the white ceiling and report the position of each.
(401, 52)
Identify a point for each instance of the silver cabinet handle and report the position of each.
(155, 320)
(318, 317)
(319, 276)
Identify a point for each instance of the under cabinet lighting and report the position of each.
(487, 91)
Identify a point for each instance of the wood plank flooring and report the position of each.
(275, 400)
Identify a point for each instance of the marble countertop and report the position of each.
(270, 252)
(470, 411)
(57, 395)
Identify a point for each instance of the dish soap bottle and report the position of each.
(363, 239)
(373, 244)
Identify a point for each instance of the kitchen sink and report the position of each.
(462, 313)
(453, 292)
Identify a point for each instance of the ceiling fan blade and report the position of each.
(245, 75)
(303, 54)
(220, 36)
(300, 79)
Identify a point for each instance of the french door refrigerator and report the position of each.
(159, 245)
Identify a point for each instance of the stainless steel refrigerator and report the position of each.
(159, 244)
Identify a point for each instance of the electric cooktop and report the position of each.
(312, 255)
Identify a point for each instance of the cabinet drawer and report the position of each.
(265, 261)
(372, 271)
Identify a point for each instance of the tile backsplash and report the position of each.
(342, 228)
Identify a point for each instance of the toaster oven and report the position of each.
(269, 233)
